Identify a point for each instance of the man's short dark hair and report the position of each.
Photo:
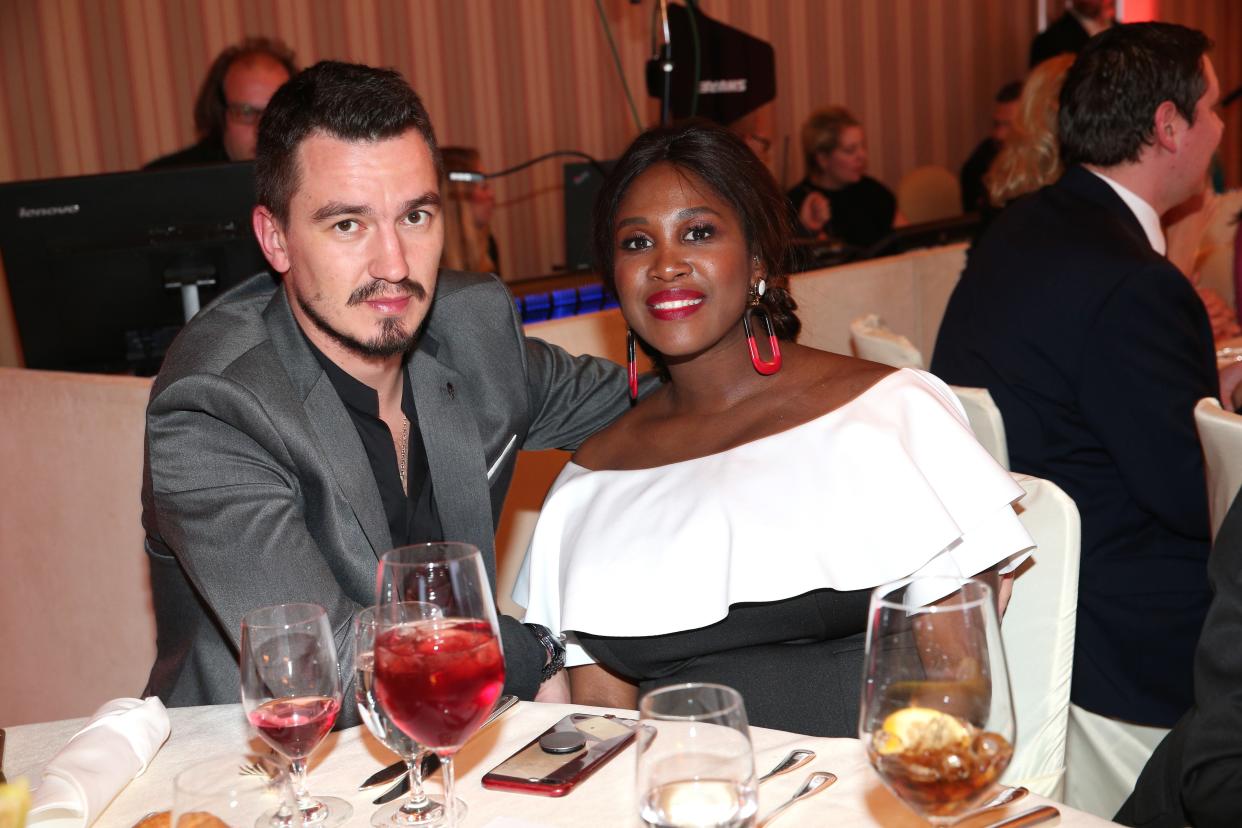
(1009, 93)
(1111, 93)
(347, 101)
(210, 105)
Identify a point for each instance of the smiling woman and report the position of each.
(749, 503)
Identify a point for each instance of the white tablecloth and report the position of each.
(605, 799)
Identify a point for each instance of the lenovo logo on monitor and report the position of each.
(46, 212)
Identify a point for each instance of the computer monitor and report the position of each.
(96, 264)
(925, 234)
(583, 181)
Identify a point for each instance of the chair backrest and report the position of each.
(874, 341)
(985, 421)
(929, 193)
(75, 596)
(1220, 432)
(1038, 631)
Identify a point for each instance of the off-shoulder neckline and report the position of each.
(819, 418)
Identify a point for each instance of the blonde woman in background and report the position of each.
(468, 205)
(837, 198)
(1031, 156)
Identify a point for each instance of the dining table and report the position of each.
(607, 798)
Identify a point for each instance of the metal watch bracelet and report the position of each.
(555, 647)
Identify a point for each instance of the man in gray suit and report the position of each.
(300, 429)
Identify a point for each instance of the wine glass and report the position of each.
(696, 766)
(417, 808)
(291, 691)
(437, 678)
(215, 788)
(937, 716)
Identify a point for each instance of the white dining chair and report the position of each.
(1220, 433)
(1038, 631)
(874, 340)
(75, 597)
(985, 420)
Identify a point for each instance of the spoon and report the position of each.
(1006, 796)
(795, 759)
(816, 782)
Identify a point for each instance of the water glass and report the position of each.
(222, 788)
(696, 766)
(417, 808)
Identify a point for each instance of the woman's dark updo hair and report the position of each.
(725, 164)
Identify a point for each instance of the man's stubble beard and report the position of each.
(392, 338)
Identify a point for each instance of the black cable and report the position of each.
(616, 59)
(692, 12)
(467, 175)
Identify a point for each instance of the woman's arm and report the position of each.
(593, 685)
(1002, 586)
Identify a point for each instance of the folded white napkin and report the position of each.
(116, 745)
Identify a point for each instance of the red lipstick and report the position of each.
(678, 303)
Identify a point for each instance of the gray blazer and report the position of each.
(257, 490)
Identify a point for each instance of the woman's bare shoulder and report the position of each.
(609, 447)
(826, 381)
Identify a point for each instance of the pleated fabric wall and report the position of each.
(102, 85)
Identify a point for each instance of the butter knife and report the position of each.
(1035, 816)
(397, 769)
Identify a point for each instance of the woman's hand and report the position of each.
(814, 212)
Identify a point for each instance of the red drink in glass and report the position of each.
(294, 726)
(438, 679)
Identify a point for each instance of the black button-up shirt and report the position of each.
(412, 517)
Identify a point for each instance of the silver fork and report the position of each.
(264, 766)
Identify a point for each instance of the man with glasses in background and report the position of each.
(241, 81)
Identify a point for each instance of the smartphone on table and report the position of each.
(554, 762)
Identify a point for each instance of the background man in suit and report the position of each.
(1195, 776)
(299, 430)
(1005, 111)
(1071, 31)
(1096, 350)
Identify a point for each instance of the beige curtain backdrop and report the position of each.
(90, 86)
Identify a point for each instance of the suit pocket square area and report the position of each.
(495, 467)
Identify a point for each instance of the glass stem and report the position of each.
(297, 778)
(450, 803)
(417, 799)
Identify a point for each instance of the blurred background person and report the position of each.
(1200, 233)
(240, 82)
(974, 194)
(756, 129)
(1031, 157)
(468, 206)
(837, 199)
(1070, 32)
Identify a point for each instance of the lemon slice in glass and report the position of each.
(920, 728)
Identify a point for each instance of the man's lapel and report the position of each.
(338, 440)
(454, 452)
